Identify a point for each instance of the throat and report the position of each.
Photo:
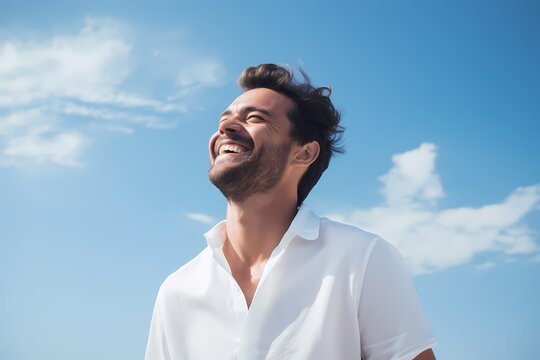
(247, 276)
(248, 286)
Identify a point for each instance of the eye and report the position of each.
(254, 118)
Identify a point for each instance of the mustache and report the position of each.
(245, 141)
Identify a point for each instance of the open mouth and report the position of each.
(227, 146)
(231, 149)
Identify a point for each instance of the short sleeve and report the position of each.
(392, 323)
(157, 348)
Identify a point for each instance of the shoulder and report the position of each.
(360, 247)
(189, 275)
(342, 249)
(347, 237)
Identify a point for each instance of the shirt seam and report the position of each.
(365, 263)
(417, 351)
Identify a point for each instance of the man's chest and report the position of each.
(305, 314)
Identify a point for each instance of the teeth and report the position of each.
(231, 148)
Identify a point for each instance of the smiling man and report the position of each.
(276, 281)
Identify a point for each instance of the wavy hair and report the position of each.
(313, 116)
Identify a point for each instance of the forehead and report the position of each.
(261, 98)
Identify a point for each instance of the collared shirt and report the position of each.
(328, 291)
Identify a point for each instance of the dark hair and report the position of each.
(313, 116)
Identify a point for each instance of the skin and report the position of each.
(256, 171)
(256, 224)
(426, 355)
(257, 121)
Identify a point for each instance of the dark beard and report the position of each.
(258, 174)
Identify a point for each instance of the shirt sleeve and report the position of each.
(157, 348)
(392, 323)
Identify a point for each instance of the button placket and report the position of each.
(251, 331)
(237, 300)
(239, 304)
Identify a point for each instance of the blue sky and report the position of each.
(105, 114)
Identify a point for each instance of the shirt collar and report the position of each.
(216, 235)
(305, 225)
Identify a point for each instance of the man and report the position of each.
(276, 281)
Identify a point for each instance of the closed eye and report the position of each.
(255, 118)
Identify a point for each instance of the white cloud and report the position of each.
(87, 75)
(117, 129)
(202, 218)
(432, 239)
(62, 148)
(16, 122)
(208, 72)
(488, 265)
(413, 176)
(33, 136)
(89, 64)
(150, 121)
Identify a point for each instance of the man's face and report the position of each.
(250, 150)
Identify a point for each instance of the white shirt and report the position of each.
(329, 291)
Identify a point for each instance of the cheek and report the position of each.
(212, 143)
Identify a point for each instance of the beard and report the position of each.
(260, 172)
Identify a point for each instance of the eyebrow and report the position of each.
(248, 109)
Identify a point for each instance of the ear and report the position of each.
(306, 154)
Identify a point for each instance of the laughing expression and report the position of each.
(250, 150)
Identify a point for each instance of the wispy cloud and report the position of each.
(34, 136)
(61, 148)
(150, 121)
(488, 265)
(433, 239)
(202, 218)
(87, 65)
(208, 72)
(87, 74)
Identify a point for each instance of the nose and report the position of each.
(230, 125)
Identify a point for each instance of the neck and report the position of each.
(256, 226)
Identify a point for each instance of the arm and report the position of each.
(156, 347)
(391, 319)
(426, 355)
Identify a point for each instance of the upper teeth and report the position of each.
(230, 147)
